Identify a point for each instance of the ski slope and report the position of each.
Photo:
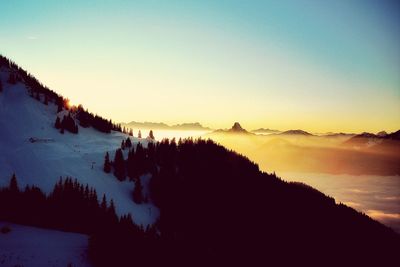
(31, 147)
(36, 247)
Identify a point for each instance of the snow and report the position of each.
(36, 247)
(51, 155)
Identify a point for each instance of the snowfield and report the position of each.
(35, 247)
(31, 147)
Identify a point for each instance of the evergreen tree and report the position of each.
(131, 164)
(119, 165)
(69, 124)
(57, 123)
(130, 132)
(151, 135)
(112, 215)
(13, 184)
(107, 164)
(103, 205)
(123, 145)
(59, 105)
(139, 134)
(128, 142)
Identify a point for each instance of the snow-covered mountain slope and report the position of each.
(31, 147)
(36, 247)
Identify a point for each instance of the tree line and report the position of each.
(217, 207)
(75, 207)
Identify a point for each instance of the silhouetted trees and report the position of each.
(119, 165)
(107, 163)
(137, 192)
(139, 134)
(70, 207)
(13, 184)
(67, 123)
(128, 142)
(12, 79)
(60, 104)
(218, 207)
(151, 135)
(57, 124)
(87, 119)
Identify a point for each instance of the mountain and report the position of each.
(195, 126)
(190, 126)
(296, 132)
(265, 131)
(382, 134)
(338, 135)
(33, 149)
(202, 204)
(368, 140)
(392, 136)
(235, 129)
(147, 125)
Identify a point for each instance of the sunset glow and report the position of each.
(316, 65)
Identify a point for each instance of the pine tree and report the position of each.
(112, 215)
(119, 165)
(57, 123)
(151, 135)
(137, 192)
(13, 184)
(103, 204)
(107, 164)
(128, 142)
(60, 103)
(123, 144)
(139, 134)
(131, 164)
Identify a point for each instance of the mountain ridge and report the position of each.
(163, 126)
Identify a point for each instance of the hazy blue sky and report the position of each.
(317, 65)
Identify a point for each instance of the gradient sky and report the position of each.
(331, 65)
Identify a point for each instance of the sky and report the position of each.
(321, 66)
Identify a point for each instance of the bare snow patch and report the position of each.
(36, 247)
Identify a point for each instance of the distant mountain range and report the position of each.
(164, 126)
(296, 132)
(265, 131)
(381, 139)
(339, 134)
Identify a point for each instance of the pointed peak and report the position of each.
(237, 127)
